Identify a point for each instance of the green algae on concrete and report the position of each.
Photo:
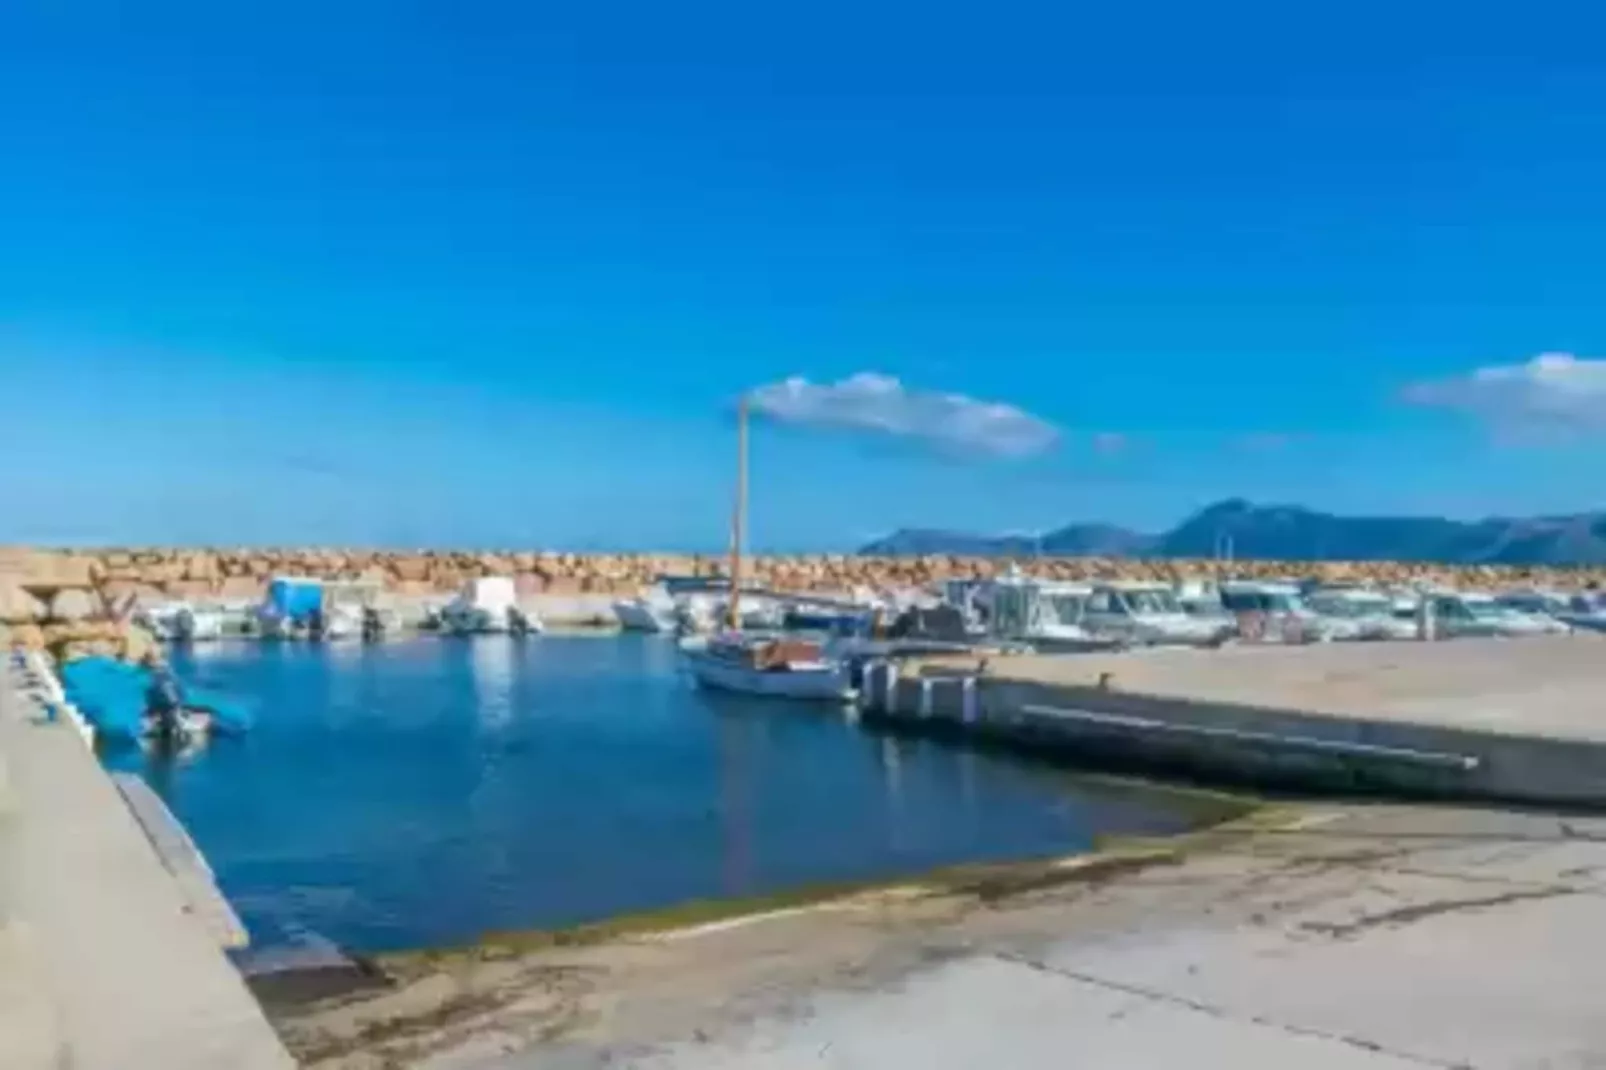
(987, 883)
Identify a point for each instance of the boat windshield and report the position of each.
(1065, 608)
(1203, 607)
(1486, 608)
(1151, 600)
(1351, 607)
(1534, 603)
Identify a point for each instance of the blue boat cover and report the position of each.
(294, 599)
(111, 694)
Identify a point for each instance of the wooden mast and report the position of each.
(738, 520)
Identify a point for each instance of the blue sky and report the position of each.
(429, 274)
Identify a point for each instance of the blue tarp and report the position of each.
(111, 694)
(294, 599)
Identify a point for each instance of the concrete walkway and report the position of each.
(1545, 687)
(99, 961)
(1472, 719)
(1372, 939)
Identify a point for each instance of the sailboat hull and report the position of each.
(825, 683)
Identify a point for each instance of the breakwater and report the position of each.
(38, 584)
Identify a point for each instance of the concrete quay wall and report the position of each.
(1548, 748)
(104, 964)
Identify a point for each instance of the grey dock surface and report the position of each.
(102, 950)
(1517, 720)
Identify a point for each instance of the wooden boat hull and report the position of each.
(828, 683)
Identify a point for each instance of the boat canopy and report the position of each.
(494, 594)
(112, 696)
(295, 598)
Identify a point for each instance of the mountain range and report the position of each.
(1292, 533)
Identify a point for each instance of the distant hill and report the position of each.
(1076, 540)
(1294, 533)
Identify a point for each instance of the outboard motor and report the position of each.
(164, 708)
(373, 628)
(517, 623)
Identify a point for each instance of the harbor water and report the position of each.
(426, 792)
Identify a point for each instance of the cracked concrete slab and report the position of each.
(985, 1011)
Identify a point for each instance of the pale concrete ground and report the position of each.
(1541, 686)
(101, 968)
(1367, 938)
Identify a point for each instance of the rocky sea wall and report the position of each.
(63, 585)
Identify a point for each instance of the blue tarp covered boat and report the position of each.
(113, 696)
(295, 599)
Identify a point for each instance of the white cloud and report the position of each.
(1552, 391)
(881, 404)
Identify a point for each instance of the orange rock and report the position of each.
(188, 589)
(236, 588)
(17, 606)
(76, 604)
(28, 636)
(118, 592)
(409, 568)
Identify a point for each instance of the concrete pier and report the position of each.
(1506, 720)
(103, 962)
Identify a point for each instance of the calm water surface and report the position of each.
(427, 791)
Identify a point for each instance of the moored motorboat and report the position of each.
(180, 622)
(1048, 616)
(1585, 611)
(292, 605)
(489, 605)
(119, 700)
(651, 612)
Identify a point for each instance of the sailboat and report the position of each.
(757, 663)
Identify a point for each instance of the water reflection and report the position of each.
(890, 761)
(492, 660)
(736, 738)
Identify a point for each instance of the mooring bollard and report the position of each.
(968, 706)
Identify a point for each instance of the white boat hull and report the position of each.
(190, 626)
(342, 624)
(827, 683)
(642, 616)
(459, 620)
